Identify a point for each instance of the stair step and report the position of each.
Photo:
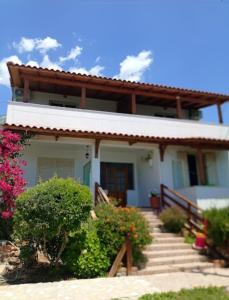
(163, 234)
(169, 252)
(163, 246)
(158, 261)
(168, 240)
(175, 268)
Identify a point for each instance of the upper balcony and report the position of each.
(72, 119)
(56, 88)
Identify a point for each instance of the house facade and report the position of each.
(128, 137)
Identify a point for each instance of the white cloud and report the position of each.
(32, 63)
(95, 71)
(4, 74)
(42, 45)
(47, 63)
(133, 67)
(47, 44)
(72, 55)
(98, 58)
(25, 45)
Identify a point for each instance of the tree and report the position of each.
(12, 182)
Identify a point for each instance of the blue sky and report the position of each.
(171, 42)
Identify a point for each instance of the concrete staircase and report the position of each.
(168, 252)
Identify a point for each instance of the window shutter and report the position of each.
(48, 167)
(178, 178)
(211, 169)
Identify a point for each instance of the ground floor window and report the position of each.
(47, 167)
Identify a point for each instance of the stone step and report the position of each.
(169, 252)
(175, 268)
(168, 240)
(160, 247)
(183, 259)
(163, 234)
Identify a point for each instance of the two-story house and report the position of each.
(129, 137)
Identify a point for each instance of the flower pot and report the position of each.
(154, 202)
(200, 242)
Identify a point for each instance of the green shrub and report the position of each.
(84, 255)
(211, 293)
(48, 212)
(114, 223)
(5, 228)
(173, 219)
(218, 225)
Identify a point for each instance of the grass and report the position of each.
(211, 293)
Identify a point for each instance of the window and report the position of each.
(48, 167)
(62, 104)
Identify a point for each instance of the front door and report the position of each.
(114, 179)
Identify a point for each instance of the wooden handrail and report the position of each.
(195, 218)
(125, 249)
(100, 195)
(182, 197)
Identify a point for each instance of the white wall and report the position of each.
(55, 150)
(207, 196)
(76, 119)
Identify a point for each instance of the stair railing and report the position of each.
(125, 249)
(100, 195)
(195, 219)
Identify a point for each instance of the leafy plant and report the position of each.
(173, 219)
(84, 255)
(218, 225)
(48, 212)
(113, 223)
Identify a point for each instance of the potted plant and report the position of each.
(154, 200)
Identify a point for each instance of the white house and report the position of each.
(128, 137)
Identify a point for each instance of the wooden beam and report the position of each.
(83, 98)
(133, 107)
(162, 148)
(200, 161)
(26, 91)
(220, 115)
(178, 108)
(109, 88)
(97, 143)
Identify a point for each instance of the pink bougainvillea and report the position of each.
(12, 182)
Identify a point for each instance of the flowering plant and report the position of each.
(11, 181)
(154, 193)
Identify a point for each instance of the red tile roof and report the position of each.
(191, 141)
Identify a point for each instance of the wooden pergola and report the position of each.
(127, 94)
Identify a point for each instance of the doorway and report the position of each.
(117, 178)
(192, 168)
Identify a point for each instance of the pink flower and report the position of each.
(7, 214)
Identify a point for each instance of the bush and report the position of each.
(173, 219)
(84, 255)
(218, 225)
(5, 229)
(48, 212)
(114, 223)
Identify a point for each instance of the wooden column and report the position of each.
(83, 98)
(178, 108)
(26, 91)
(220, 115)
(200, 161)
(133, 104)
